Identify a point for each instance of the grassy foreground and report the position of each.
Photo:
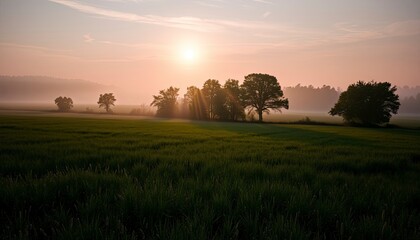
(73, 178)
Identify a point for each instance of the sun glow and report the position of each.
(189, 54)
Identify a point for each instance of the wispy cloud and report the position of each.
(341, 33)
(127, 1)
(87, 38)
(190, 23)
(263, 1)
(266, 14)
(33, 47)
(207, 4)
(70, 55)
(347, 33)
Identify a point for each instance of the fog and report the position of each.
(43, 90)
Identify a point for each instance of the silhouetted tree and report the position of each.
(210, 90)
(367, 103)
(196, 103)
(221, 110)
(166, 102)
(263, 92)
(234, 105)
(106, 100)
(64, 104)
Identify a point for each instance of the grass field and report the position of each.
(82, 178)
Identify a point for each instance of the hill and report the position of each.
(46, 89)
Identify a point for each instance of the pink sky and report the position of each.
(139, 45)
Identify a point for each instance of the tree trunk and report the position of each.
(260, 116)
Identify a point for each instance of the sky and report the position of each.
(144, 46)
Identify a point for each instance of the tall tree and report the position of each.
(166, 102)
(262, 92)
(106, 100)
(234, 105)
(196, 103)
(221, 110)
(210, 90)
(64, 104)
(367, 103)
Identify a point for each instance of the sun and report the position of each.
(188, 54)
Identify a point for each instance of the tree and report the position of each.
(262, 92)
(64, 104)
(367, 103)
(210, 90)
(233, 103)
(106, 100)
(166, 102)
(196, 103)
(220, 106)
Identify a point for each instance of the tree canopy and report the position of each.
(367, 103)
(64, 104)
(211, 94)
(262, 92)
(166, 102)
(106, 100)
(233, 104)
(196, 103)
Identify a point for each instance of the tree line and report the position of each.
(411, 104)
(309, 98)
(258, 93)
(367, 103)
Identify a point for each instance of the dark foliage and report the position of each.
(212, 94)
(196, 103)
(367, 103)
(233, 105)
(106, 100)
(262, 92)
(166, 102)
(64, 104)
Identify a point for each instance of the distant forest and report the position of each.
(309, 98)
(409, 99)
(321, 99)
(410, 104)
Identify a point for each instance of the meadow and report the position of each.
(95, 178)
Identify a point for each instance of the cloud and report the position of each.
(87, 38)
(33, 47)
(207, 4)
(70, 55)
(266, 14)
(128, 1)
(190, 23)
(263, 1)
(404, 28)
(348, 33)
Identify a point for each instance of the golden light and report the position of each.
(189, 54)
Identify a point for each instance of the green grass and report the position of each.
(80, 178)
